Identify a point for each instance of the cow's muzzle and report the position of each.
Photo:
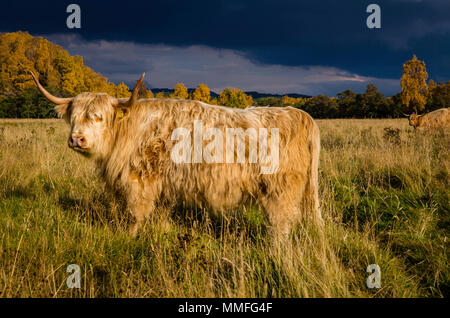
(77, 142)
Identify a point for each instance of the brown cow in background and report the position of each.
(434, 120)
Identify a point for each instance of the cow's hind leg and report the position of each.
(282, 200)
(283, 214)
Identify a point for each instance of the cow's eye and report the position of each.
(98, 117)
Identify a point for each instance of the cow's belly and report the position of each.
(218, 187)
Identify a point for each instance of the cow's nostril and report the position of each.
(77, 141)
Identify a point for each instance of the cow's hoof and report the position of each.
(134, 230)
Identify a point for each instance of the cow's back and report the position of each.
(223, 186)
(439, 118)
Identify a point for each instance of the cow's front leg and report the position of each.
(141, 202)
(141, 212)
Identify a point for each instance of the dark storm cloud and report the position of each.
(167, 65)
(288, 33)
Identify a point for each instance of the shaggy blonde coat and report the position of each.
(132, 147)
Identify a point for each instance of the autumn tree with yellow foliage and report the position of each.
(180, 91)
(234, 97)
(201, 93)
(291, 101)
(160, 95)
(58, 71)
(66, 75)
(414, 92)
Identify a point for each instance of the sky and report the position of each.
(277, 46)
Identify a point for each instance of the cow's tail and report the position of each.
(312, 186)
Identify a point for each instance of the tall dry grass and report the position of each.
(384, 195)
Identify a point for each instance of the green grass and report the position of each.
(384, 197)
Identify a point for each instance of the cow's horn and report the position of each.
(50, 97)
(130, 102)
(406, 115)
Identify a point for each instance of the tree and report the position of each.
(160, 95)
(234, 97)
(122, 90)
(269, 101)
(414, 84)
(201, 93)
(144, 92)
(321, 106)
(396, 107)
(439, 95)
(180, 91)
(346, 103)
(373, 102)
(58, 71)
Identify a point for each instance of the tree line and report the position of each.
(66, 75)
(370, 104)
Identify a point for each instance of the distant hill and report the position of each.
(168, 91)
(256, 95)
(253, 94)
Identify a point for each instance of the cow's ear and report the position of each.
(62, 110)
(121, 112)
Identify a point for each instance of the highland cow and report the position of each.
(133, 143)
(434, 120)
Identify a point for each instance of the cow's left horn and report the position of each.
(130, 102)
(50, 97)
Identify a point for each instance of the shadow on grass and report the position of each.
(20, 192)
(104, 208)
(249, 220)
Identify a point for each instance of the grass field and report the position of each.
(384, 196)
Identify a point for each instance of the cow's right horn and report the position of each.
(50, 97)
(406, 115)
(130, 102)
